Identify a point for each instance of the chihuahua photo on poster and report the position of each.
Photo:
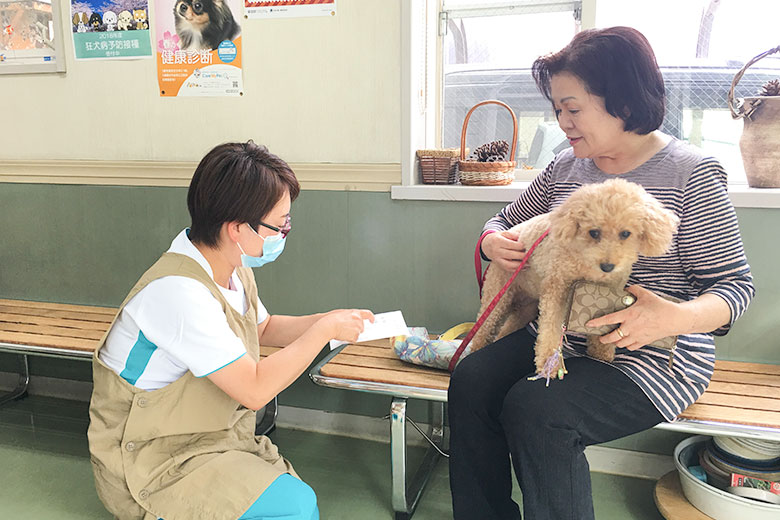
(204, 24)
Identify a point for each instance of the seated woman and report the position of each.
(178, 377)
(608, 95)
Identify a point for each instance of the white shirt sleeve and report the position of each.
(182, 318)
(262, 312)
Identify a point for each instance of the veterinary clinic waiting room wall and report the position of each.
(89, 244)
(317, 91)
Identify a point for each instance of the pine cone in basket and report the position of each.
(490, 150)
(770, 88)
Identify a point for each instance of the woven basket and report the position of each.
(758, 144)
(439, 166)
(478, 173)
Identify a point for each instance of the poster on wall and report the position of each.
(289, 8)
(30, 38)
(110, 29)
(198, 47)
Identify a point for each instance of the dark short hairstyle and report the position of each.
(616, 64)
(236, 182)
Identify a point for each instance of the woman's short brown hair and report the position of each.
(236, 182)
(617, 64)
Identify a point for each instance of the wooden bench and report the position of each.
(68, 331)
(49, 329)
(743, 400)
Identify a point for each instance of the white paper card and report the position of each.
(386, 325)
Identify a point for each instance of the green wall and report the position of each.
(89, 244)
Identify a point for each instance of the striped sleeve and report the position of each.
(711, 249)
(532, 202)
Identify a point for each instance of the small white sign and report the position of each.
(288, 8)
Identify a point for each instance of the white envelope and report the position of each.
(386, 325)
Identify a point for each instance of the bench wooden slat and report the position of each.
(51, 313)
(376, 343)
(53, 322)
(746, 378)
(709, 412)
(740, 401)
(110, 311)
(22, 338)
(50, 330)
(753, 368)
(267, 351)
(377, 352)
(439, 382)
(385, 363)
(740, 393)
(740, 389)
(74, 344)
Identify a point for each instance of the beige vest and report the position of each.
(185, 451)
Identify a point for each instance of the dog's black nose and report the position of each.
(607, 267)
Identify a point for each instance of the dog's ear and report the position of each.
(564, 220)
(658, 227)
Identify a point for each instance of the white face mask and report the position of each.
(272, 248)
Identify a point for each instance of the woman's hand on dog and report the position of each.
(504, 249)
(650, 318)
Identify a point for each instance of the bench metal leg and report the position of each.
(406, 498)
(21, 386)
(266, 419)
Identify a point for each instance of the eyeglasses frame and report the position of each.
(284, 230)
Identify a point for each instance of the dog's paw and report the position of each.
(550, 366)
(599, 350)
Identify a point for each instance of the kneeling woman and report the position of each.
(178, 376)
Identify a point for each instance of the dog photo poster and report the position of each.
(289, 8)
(110, 29)
(198, 47)
(27, 35)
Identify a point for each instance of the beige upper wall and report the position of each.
(315, 90)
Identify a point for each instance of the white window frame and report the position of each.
(421, 67)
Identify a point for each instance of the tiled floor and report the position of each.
(46, 472)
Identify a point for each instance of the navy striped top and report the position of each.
(706, 256)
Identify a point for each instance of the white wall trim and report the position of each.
(343, 424)
(312, 176)
(49, 386)
(628, 463)
(601, 459)
(742, 196)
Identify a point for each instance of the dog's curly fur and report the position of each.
(569, 253)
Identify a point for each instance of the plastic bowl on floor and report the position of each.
(710, 500)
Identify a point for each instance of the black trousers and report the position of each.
(495, 411)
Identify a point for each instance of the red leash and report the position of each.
(478, 264)
(496, 298)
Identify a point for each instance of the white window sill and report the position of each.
(742, 196)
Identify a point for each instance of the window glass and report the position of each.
(700, 46)
(712, 40)
(489, 57)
